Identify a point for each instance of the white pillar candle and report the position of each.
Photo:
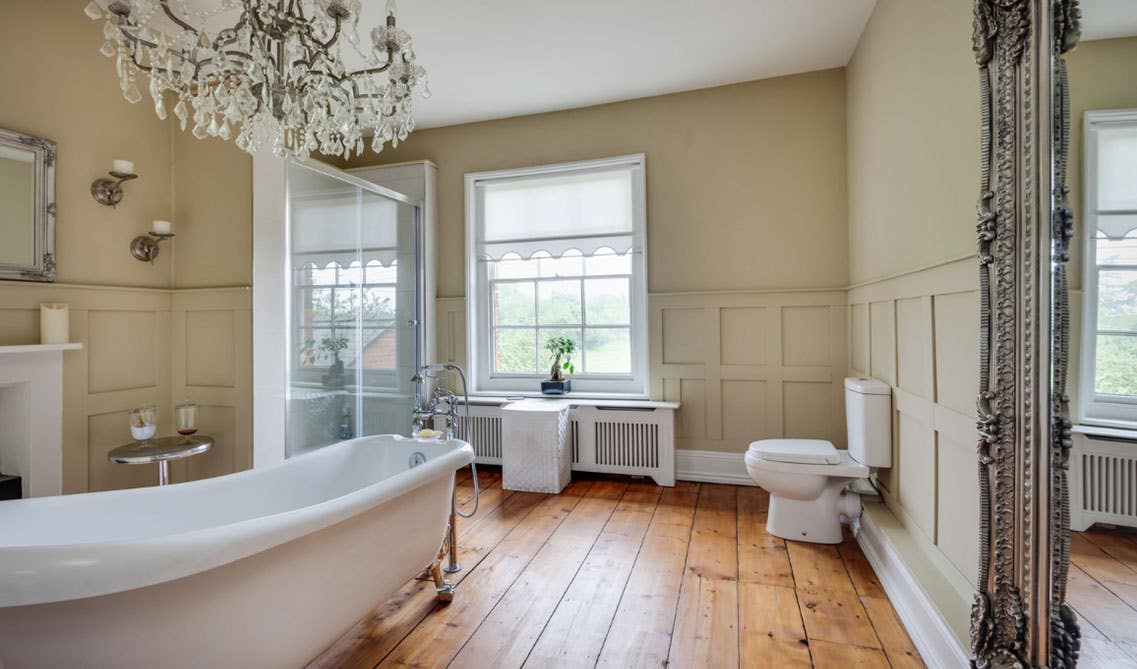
(53, 324)
(123, 167)
(161, 227)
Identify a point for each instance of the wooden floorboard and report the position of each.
(621, 573)
(1102, 589)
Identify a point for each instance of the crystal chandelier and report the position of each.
(276, 75)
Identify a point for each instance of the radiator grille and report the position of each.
(574, 440)
(486, 436)
(1109, 484)
(627, 444)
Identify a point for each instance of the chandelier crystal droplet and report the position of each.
(275, 76)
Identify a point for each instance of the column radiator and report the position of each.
(1104, 481)
(610, 440)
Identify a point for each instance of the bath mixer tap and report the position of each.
(444, 403)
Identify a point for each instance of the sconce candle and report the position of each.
(123, 167)
(161, 227)
(53, 324)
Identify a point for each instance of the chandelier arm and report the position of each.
(175, 18)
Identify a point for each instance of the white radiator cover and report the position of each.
(608, 440)
(1104, 477)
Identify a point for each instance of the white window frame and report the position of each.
(478, 301)
(1095, 409)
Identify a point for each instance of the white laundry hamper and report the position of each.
(535, 453)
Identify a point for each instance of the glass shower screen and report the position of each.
(354, 301)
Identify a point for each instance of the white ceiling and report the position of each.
(497, 58)
(1106, 19)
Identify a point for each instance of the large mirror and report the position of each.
(1058, 391)
(27, 207)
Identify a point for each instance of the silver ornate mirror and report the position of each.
(27, 207)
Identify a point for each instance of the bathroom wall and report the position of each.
(747, 245)
(913, 151)
(146, 339)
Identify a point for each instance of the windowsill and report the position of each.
(582, 399)
(1111, 432)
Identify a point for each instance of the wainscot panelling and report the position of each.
(743, 365)
(135, 347)
(919, 332)
(749, 365)
(212, 367)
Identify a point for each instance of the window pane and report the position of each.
(547, 358)
(607, 302)
(377, 273)
(325, 276)
(512, 266)
(351, 275)
(513, 304)
(380, 348)
(1116, 369)
(346, 304)
(1116, 251)
(608, 351)
(569, 264)
(1117, 300)
(605, 261)
(379, 303)
(515, 351)
(558, 302)
(321, 304)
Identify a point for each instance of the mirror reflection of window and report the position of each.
(17, 206)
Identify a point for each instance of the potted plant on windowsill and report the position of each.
(333, 346)
(561, 348)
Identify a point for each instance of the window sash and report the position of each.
(1098, 407)
(481, 288)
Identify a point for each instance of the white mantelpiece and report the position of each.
(31, 415)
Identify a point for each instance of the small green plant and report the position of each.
(308, 352)
(562, 349)
(333, 346)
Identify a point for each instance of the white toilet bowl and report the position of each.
(805, 479)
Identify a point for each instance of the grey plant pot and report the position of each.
(556, 387)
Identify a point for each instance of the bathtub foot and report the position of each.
(442, 587)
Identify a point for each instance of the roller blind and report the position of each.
(585, 210)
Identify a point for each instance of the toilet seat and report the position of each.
(844, 467)
(802, 451)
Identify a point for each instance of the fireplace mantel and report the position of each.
(31, 413)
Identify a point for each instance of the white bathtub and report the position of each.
(264, 568)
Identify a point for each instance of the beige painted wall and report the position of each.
(57, 85)
(913, 128)
(146, 339)
(745, 183)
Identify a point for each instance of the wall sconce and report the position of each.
(145, 247)
(109, 191)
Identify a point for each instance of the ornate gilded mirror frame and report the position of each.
(1020, 618)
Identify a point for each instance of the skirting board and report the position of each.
(712, 467)
(938, 646)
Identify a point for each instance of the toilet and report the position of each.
(806, 478)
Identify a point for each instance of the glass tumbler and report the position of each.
(187, 418)
(143, 422)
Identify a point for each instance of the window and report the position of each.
(558, 251)
(1109, 348)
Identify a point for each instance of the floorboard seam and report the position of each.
(574, 575)
(623, 590)
(683, 572)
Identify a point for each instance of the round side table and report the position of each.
(161, 451)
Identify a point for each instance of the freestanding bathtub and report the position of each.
(264, 568)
